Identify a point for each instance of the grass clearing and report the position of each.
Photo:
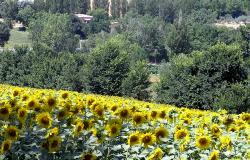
(18, 38)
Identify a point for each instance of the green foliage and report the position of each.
(8, 9)
(178, 39)
(137, 81)
(41, 69)
(100, 21)
(4, 33)
(54, 31)
(148, 32)
(197, 80)
(25, 15)
(109, 64)
(234, 98)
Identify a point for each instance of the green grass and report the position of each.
(18, 38)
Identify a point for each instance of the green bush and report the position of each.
(137, 81)
(41, 69)
(198, 80)
(4, 33)
(109, 64)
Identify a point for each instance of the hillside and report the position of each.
(38, 122)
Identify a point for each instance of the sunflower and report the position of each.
(45, 145)
(98, 111)
(161, 132)
(25, 97)
(32, 103)
(153, 115)
(203, 142)
(228, 120)
(157, 154)
(232, 128)
(88, 156)
(78, 128)
(52, 133)
(50, 103)
(123, 113)
(186, 121)
(138, 118)
(16, 92)
(88, 124)
(114, 107)
(22, 114)
(44, 120)
(5, 112)
(65, 95)
(225, 143)
(62, 114)
(241, 125)
(215, 155)
(113, 130)
(162, 114)
(181, 134)
(6, 146)
(215, 130)
(147, 139)
(54, 144)
(11, 132)
(134, 139)
(245, 117)
(90, 100)
(99, 135)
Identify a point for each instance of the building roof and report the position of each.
(84, 17)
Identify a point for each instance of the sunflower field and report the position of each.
(49, 124)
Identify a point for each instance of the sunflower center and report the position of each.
(133, 139)
(12, 133)
(203, 141)
(138, 119)
(51, 102)
(65, 95)
(4, 111)
(182, 135)
(21, 113)
(6, 146)
(153, 114)
(87, 157)
(162, 114)
(114, 108)
(31, 104)
(146, 139)
(113, 130)
(124, 113)
(45, 120)
(54, 144)
(61, 114)
(160, 134)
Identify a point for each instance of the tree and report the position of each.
(53, 31)
(4, 33)
(136, 83)
(198, 80)
(147, 31)
(9, 9)
(25, 15)
(178, 39)
(109, 64)
(100, 21)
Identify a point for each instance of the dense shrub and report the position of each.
(4, 33)
(109, 64)
(198, 80)
(42, 70)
